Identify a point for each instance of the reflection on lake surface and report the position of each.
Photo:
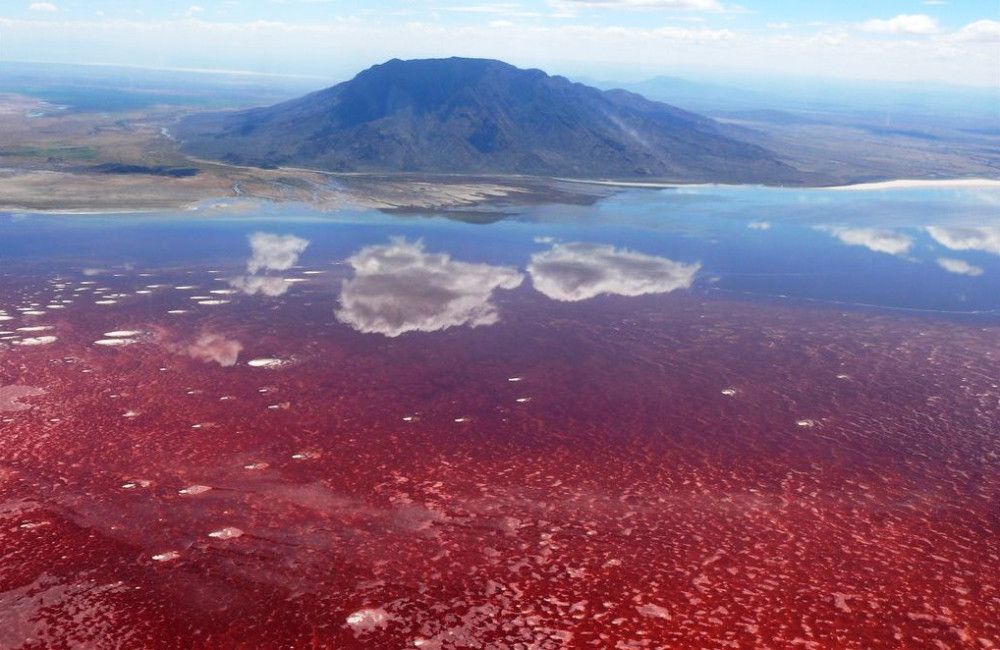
(580, 270)
(402, 288)
(707, 417)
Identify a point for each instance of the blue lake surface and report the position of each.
(914, 249)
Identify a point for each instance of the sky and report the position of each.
(946, 41)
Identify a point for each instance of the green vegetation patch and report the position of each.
(63, 153)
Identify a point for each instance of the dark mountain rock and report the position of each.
(476, 116)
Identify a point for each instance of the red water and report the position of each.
(846, 495)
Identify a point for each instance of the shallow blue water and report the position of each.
(914, 249)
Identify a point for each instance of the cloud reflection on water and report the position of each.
(271, 252)
(967, 238)
(215, 347)
(960, 267)
(874, 239)
(274, 252)
(265, 284)
(399, 288)
(579, 270)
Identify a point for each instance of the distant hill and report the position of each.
(699, 96)
(477, 116)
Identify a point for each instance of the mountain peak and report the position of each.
(481, 116)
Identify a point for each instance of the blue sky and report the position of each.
(956, 41)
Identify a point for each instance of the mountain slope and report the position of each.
(476, 116)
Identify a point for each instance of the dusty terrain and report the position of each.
(863, 152)
(57, 160)
(60, 160)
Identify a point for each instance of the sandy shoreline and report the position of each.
(949, 183)
(426, 194)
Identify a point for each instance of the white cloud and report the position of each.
(902, 24)
(959, 266)
(984, 238)
(399, 288)
(759, 225)
(265, 284)
(880, 241)
(579, 270)
(981, 31)
(193, 10)
(45, 7)
(498, 8)
(274, 252)
(674, 5)
(214, 347)
(338, 48)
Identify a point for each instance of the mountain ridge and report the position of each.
(481, 116)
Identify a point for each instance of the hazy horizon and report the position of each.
(626, 40)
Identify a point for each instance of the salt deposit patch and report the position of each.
(653, 611)
(10, 397)
(122, 333)
(366, 620)
(115, 342)
(38, 340)
(35, 328)
(265, 363)
(229, 532)
(194, 489)
(166, 557)
(213, 302)
(105, 302)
